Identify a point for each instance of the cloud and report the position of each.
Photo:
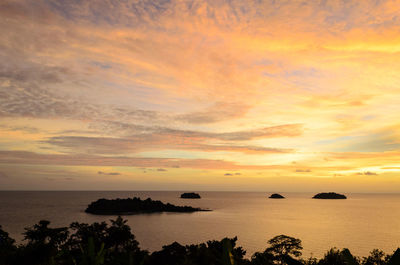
(24, 157)
(303, 170)
(231, 174)
(285, 130)
(243, 85)
(367, 173)
(38, 102)
(109, 173)
(161, 138)
(218, 112)
(37, 11)
(26, 129)
(366, 159)
(384, 140)
(114, 127)
(34, 74)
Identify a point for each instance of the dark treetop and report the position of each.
(134, 206)
(276, 196)
(329, 195)
(114, 244)
(190, 195)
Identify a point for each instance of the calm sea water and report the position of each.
(361, 223)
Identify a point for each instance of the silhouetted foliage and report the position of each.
(395, 258)
(337, 257)
(284, 249)
(376, 257)
(214, 252)
(91, 256)
(6, 242)
(310, 261)
(7, 247)
(171, 254)
(262, 258)
(117, 240)
(82, 232)
(44, 244)
(114, 244)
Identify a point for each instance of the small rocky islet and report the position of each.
(190, 195)
(135, 205)
(329, 196)
(276, 196)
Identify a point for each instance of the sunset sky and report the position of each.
(200, 95)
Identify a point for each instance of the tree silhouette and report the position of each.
(284, 249)
(395, 258)
(337, 257)
(44, 243)
(376, 257)
(119, 236)
(7, 247)
(114, 244)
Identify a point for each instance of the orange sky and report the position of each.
(201, 95)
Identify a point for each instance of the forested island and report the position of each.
(114, 244)
(330, 195)
(135, 206)
(276, 196)
(190, 195)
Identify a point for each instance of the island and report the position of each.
(329, 195)
(135, 206)
(190, 195)
(276, 196)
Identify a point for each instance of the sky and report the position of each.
(200, 95)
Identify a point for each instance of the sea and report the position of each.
(361, 223)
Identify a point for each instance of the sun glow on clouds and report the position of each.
(288, 94)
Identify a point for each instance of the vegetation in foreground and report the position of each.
(114, 244)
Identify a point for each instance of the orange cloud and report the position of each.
(206, 83)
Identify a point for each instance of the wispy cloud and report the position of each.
(303, 170)
(220, 111)
(367, 173)
(159, 138)
(109, 173)
(92, 160)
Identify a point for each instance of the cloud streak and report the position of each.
(159, 138)
(109, 173)
(18, 157)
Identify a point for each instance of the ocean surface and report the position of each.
(361, 223)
